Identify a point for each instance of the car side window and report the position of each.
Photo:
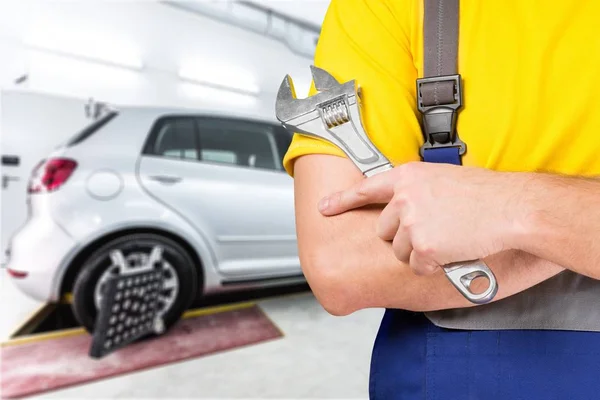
(237, 142)
(176, 138)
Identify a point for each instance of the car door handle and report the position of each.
(6, 179)
(166, 179)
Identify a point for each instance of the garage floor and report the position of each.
(320, 356)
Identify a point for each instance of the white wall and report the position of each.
(163, 36)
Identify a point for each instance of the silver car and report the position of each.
(204, 198)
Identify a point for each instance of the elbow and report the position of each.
(330, 278)
(336, 300)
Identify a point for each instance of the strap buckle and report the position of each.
(438, 100)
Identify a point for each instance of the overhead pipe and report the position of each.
(299, 36)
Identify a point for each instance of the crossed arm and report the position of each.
(353, 259)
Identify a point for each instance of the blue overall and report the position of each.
(414, 359)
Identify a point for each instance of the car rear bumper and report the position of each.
(35, 255)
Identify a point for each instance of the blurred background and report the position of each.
(209, 55)
(140, 138)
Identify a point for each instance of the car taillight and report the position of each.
(17, 274)
(50, 175)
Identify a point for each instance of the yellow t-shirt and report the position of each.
(531, 80)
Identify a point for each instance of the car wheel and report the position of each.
(131, 253)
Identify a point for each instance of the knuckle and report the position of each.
(408, 222)
(423, 249)
(362, 189)
(405, 187)
(409, 169)
(400, 199)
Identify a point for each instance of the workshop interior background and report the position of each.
(140, 136)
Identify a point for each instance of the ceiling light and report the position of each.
(85, 46)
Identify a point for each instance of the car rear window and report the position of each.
(91, 129)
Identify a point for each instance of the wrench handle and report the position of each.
(462, 274)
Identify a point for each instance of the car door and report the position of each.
(225, 177)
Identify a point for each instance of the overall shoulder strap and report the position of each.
(439, 92)
(439, 98)
(440, 38)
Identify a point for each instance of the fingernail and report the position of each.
(323, 204)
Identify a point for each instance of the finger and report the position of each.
(378, 189)
(402, 246)
(421, 265)
(388, 223)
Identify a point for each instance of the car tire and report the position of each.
(176, 261)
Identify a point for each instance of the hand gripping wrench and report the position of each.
(333, 114)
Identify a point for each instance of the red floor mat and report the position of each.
(37, 367)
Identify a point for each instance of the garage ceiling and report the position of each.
(312, 11)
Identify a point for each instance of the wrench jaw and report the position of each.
(286, 100)
(322, 79)
(288, 106)
(333, 115)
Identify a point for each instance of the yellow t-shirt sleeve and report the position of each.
(372, 41)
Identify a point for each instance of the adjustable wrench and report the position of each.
(333, 114)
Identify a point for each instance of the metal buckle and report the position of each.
(439, 121)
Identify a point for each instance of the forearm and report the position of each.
(559, 220)
(362, 272)
(515, 271)
(349, 267)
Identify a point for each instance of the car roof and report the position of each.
(157, 112)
